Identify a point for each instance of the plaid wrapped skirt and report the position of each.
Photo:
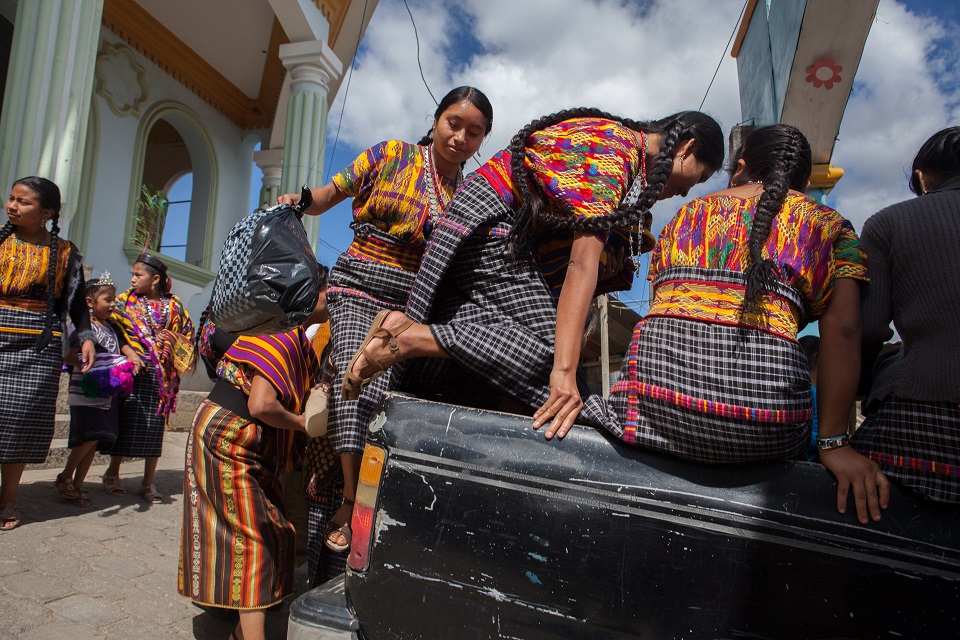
(237, 547)
(494, 316)
(359, 289)
(916, 443)
(712, 393)
(140, 434)
(29, 382)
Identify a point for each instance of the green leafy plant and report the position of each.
(150, 213)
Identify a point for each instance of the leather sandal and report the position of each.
(343, 530)
(9, 518)
(113, 485)
(65, 488)
(150, 494)
(354, 384)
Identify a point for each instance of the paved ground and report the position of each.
(109, 571)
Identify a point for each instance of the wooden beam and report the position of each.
(744, 25)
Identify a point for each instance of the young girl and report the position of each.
(40, 278)
(93, 395)
(153, 320)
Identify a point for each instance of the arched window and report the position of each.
(179, 196)
(173, 193)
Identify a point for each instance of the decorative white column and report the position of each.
(270, 162)
(46, 105)
(311, 65)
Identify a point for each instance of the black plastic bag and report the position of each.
(268, 281)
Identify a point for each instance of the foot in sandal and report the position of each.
(66, 488)
(338, 536)
(150, 494)
(379, 351)
(113, 485)
(9, 518)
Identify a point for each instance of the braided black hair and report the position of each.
(48, 197)
(938, 159)
(534, 215)
(779, 157)
(471, 94)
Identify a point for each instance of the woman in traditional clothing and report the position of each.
(398, 190)
(41, 276)
(526, 244)
(913, 406)
(153, 321)
(714, 372)
(238, 546)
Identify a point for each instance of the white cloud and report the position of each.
(898, 102)
(642, 60)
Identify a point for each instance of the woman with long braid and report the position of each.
(714, 372)
(41, 276)
(526, 244)
(398, 191)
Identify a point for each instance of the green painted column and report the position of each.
(46, 106)
(312, 65)
(270, 162)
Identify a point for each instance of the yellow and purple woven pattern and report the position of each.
(723, 302)
(583, 165)
(388, 184)
(810, 243)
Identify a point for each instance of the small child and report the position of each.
(93, 395)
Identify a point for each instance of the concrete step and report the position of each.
(180, 420)
(58, 454)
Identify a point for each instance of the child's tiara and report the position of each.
(105, 280)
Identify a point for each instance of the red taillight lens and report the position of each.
(364, 511)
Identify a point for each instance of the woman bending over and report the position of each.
(499, 307)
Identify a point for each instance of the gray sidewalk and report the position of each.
(109, 571)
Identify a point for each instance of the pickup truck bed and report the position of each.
(485, 530)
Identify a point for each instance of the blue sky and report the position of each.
(642, 60)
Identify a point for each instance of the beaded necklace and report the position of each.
(633, 194)
(435, 194)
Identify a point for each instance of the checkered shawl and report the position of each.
(712, 392)
(495, 317)
(917, 443)
(28, 387)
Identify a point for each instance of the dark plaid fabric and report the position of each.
(29, 382)
(95, 424)
(141, 429)
(495, 317)
(324, 490)
(359, 290)
(719, 364)
(916, 443)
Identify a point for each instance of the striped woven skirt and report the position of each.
(712, 393)
(237, 547)
(29, 382)
(141, 430)
(916, 443)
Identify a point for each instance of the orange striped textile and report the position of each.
(237, 546)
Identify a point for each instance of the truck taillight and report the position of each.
(364, 510)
